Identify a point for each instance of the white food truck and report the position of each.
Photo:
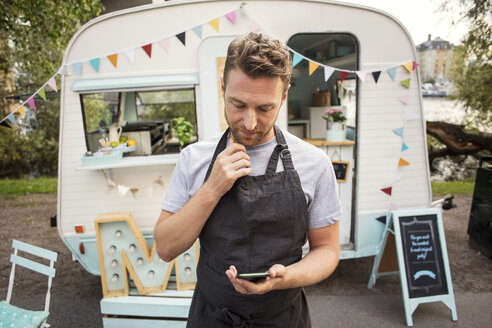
(128, 74)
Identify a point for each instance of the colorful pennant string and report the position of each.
(130, 54)
(42, 94)
(182, 37)
(404, 147)
(164, 44)
(77, 68)
(198, 31)
(375, 75)
(399, 131)
(392, 72)
(387, 190)
(403, 162)
(409, 67)
(312, 67)
(114, 60)
(403, 99)
(232, 16)
(215, 24)
(328, 72)
(361, 75)
(406, 83)
(343, 75)
(95, 64)
(148, 49)
(31, 102)
(52, 84)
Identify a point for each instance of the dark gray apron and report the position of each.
(259, 222)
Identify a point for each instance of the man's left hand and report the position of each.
(274, 281)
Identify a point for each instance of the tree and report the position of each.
(472, 77)
(33, 37)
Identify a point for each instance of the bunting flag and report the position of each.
(31, 102)
(387, 190)
(375, 75)
(130, 54)
(148, 49)
(114, 60)
(63, 70)
(182, 37)
(409, 115)
(343, 75)
(198, 31)
(232, 16)
(122, 190)
(42, 94)
(361, 75)
(22, 111)
(328, 72)
(296, 59)
(415, 65)
(406, 83)
(403, 162)
(409, 66)
(215, 24)
(392, 73)
(398, 132)
(254, 26)
(95, 64)
(5, 124)
(312, 67)
(404, 147)
(77, 68)
(403, 99)
(164, 44)
(52, 84)
(11, 118)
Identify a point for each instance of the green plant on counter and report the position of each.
(183, 130)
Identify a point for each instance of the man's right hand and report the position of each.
(231, 164)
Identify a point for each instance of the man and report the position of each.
(252, 198)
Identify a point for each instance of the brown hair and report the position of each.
(256, 55)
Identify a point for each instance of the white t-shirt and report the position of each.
(312, 165)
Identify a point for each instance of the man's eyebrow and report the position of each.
(236, 100)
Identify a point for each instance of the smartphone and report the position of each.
(253, 276)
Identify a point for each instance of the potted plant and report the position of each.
(183, 130)
(335, 124)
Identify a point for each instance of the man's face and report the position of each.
(252, 106)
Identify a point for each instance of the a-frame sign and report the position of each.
(414, 246)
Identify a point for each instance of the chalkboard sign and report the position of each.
(423, 257)
(341, 170)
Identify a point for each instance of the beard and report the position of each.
(252, 141)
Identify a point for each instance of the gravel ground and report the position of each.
(76, 294)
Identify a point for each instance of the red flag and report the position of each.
(387, 190)
(148, 49)
(343, 75)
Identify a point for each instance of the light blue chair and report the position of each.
(13, 316)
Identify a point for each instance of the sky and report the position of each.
(420, 18)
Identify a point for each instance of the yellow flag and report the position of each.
(409, 66)
(403, 162)
(22, 111)
(215, 24)
(312, 67)
(113, 59)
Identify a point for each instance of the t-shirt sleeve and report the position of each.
(325, 208)
(178, 189)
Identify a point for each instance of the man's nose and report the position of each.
(250, 119)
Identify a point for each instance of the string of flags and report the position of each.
(10, 121)
(123, 189)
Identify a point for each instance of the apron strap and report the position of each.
(281, 150)
(220, 147)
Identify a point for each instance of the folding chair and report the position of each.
(13, 316)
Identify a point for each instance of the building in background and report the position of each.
(435, 58)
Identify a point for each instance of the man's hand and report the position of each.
(276, 279)
(231, 164)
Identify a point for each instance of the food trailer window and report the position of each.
(146, 117)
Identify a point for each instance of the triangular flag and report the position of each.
(148, 49)
(165, 44)
(415, 65)
(198, 30)
(182, 38)
(296, 59)
(343, 75)
(42, 94)
(122, 190)
(5, 124)
(397, 177)
(398, 132)
(406, 83)
(113, 59)
(403, 162)
(328, 72)
(361, 75)
(215, 24)
(403, 99)
(392, 72)
(232, 16)
(409, 115)
(11, 118)
(312, 67)
(404, 146)
(387, 190)
(95, 64)
(31, 103)
(77, 68)
(22, 111)
(52, 84)
(134, 192)
(375, 75)
(254, 26)
(393, 207)
(63, 70)
(408, 66)
(131, 55)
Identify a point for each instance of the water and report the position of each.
(459, 167)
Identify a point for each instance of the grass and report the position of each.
(13, 188)
(453, 187)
